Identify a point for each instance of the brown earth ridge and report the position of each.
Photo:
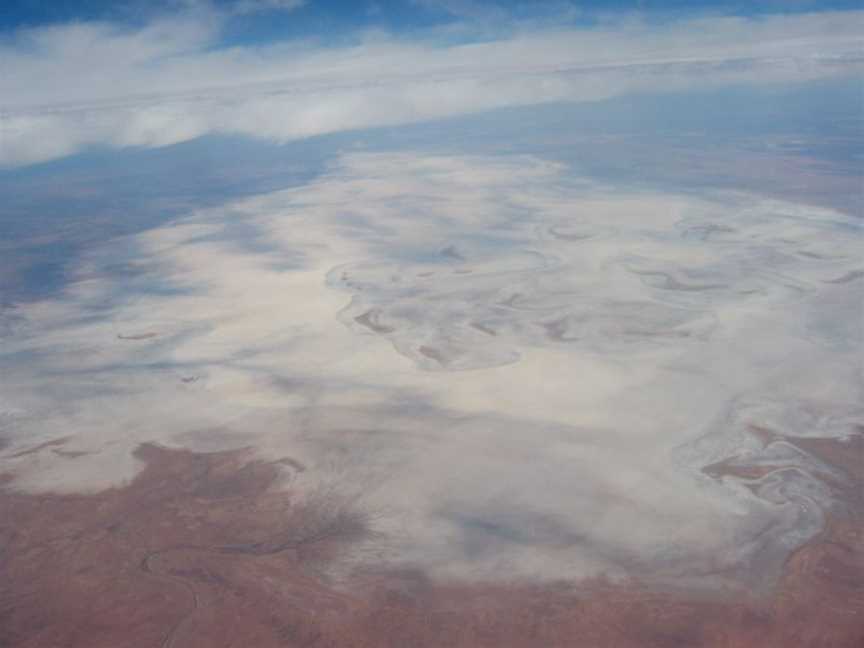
(211, 550)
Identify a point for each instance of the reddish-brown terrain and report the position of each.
(209, 550)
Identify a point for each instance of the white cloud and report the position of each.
(98, 84)
(261, 6)
(470, 9)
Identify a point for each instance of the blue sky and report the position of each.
(276, 19)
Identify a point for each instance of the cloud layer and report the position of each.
(71, 87)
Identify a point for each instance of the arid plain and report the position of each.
(430, 400)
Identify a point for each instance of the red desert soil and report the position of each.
(203, 550)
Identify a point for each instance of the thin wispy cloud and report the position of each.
(67, 88)
(266, 6)
(469, 9)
